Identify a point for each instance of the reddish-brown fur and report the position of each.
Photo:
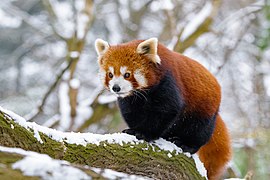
(197, 87)
(200, 91)
(217, 152)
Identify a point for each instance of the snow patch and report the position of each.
(64, 106)
(74, 83)
(161, 5)
(106, 99)
(74, 54)
(110, 174)
(82, 25)
(196, 21)
(199, 165)
(48, 168)
(8, 21)
(168, 146)
(41, 165)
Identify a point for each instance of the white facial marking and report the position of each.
(111, 70)
(123, 70)
(102, 75)
(140, 78)
(124, 85)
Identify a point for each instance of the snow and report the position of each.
(267, 82)
(105, 99)
(74, 83)
(196, 21)
(110, 174)
(41, 165)
(168, 146)
(21, 121)
(161, 5)
(90, 138)
(82, 18)
(65, 15)
(74, 54)
(64, 106)
(8, 21)
(84, 112)
(199, 165)
(79, 4)
(82, 25)
(48, 168)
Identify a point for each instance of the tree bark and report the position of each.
(7, 159)
(129, 158)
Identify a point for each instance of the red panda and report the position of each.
(165, 94)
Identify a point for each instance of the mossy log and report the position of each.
(7, 159)
(129, 158)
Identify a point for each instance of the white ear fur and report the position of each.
(101, 46)
(149, 48)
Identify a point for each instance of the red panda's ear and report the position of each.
(149, 48)
(101, 46)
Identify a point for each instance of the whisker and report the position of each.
(142, 94)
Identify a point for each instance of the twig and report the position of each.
(202, 28)
(27, 18)
(52, 15)
(231, 50)
(36, 112)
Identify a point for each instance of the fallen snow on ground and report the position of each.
(41, 165)
(90, 138)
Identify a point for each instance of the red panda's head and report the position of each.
(128, 67)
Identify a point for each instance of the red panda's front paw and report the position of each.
(184, 147)
(139, 135)
(129, 131)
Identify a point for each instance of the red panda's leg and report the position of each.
(217, 152)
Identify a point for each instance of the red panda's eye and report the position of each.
(110, 75)
(126, 75)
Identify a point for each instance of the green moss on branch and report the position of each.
(141, 159)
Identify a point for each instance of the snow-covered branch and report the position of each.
(121, 152)
(200, 24)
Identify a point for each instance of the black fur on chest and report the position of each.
(160, 112)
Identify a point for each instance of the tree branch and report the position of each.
(120, 152)
(36, 112)
(204, 27)
(52, 18)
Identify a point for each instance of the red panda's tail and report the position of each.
(217, 152)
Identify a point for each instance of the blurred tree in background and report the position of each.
(49, 70)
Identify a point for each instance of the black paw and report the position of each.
(179, 143)
(138, 135)
(191, 150)
(129, 131)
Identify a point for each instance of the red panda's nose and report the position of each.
(116, 88)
